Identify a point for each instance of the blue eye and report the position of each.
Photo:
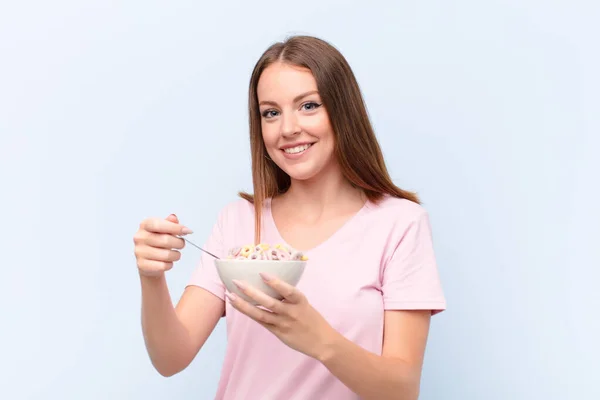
(311, 105)
(269, 113)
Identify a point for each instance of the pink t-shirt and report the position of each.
(381, 259)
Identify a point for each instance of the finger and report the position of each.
(153, 266)
(263, 317)
(261, 298)
(289, 292)
(173, 218)
(164, 241)
(158, 225)
(154, 253)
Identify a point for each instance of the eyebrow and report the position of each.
(296, 99)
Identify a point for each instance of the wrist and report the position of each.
(151, 279)
(329, 347)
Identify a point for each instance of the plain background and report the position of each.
(111, 112)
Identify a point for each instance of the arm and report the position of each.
(174, 335)
(409, 280)
(396, 374)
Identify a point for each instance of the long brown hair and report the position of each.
(356, 146)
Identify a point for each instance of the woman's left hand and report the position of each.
(294, 321)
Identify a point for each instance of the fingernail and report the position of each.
(266, 277)
(238, 284)
(231, 296)
(186, 231)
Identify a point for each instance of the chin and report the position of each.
(300, 172)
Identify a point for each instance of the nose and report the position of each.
(289, 125)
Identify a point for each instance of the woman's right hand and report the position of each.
(156, 244)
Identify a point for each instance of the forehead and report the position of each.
(281, 82)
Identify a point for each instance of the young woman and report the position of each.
(356, 325)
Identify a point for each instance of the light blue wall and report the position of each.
(112, 112)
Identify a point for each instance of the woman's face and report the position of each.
(295, 125)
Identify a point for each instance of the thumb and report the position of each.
(173, 218)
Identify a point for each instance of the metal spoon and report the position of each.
(200, 248)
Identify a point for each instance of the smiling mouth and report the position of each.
(297, 149)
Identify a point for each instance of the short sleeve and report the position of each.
(411, 279)
(205, 275)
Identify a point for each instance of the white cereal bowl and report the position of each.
(248, 271)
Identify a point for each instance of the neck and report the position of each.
(329, 189)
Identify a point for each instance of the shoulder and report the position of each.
(397, 211)
(235, 223)
(391, 220)
(236, 210)
(398, 225)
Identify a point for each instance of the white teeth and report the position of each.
(297, 149)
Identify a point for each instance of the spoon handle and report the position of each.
(200, 248)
